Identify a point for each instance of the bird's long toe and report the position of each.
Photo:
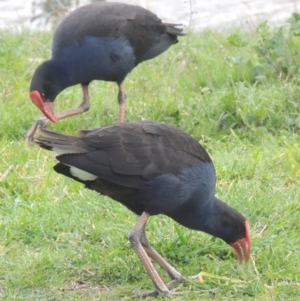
(153, 293)
(35, 129)
(179, 278)
(170, 292)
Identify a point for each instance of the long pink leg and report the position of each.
(173, 273)
(122, 102)
(135, 240)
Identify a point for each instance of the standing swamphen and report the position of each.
(98, 41)
(151, 168)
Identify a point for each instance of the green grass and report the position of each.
(237, 93)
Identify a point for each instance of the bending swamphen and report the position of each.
(151, 168)
(98, 41)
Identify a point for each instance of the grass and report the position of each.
(237, 93)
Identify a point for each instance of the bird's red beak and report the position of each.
(47, 108)
(242, 247)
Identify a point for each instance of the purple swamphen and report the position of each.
(98, 41)
(151, 168)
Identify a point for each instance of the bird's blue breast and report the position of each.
(93, 58)
(192, 189)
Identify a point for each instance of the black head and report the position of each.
(45, 86)
(231, 226)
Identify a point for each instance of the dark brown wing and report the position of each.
(128, 153)
(146, 148)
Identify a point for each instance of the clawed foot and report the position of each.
(171, 291)
(43, 122)
(166, 294)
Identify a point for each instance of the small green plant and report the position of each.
(278, 51)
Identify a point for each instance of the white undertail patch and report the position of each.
(76, 172)
(58, 151)
(81, 174)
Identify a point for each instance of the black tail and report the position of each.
(60, 143)
(174, 30)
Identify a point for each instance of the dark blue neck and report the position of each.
(215, 218)
(60, 74)
(189, 199)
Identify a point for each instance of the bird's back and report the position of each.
(145, 32)
(123, 157)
